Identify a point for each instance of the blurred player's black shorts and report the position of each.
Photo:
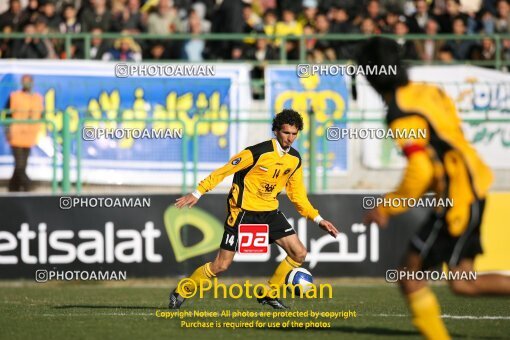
(278, 226)
(435, 244)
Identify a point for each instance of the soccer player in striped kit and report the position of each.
(443, 162)
(261, 172)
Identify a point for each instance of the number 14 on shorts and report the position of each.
(253, 238)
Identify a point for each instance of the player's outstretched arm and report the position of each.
(377, 216)
(239, 162)
(297, 195)
(188, 200)
(329, 228)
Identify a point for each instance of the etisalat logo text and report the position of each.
(93, 246)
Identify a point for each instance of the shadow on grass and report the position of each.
(107, 307)
(343, 329)
(376, 331)
(354, 330)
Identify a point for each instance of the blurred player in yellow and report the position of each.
(445, 163)
(261, 171)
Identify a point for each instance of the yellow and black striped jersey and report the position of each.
(443, 161)
(261, 173)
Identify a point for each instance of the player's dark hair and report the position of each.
(288, 116)
(383, 52)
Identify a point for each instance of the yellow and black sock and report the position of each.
(201, 273)
(427, 314)
(280, 274)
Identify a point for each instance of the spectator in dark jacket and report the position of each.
(7, 44)
(30, 48)
(428, 50)
(372, 11)
(12, 17)
(49, 12)
(408, 48)
(98, 46)
(391, 18)
(157, 51)
(452, 11)
(461, 48)
(70, 24)
(30, 13)
(419, 19)
(227, 18)
(261, 52)
(98, 16)
(503, 17)
(41, 27)
(341, 24)
(485, 52)
(325, 46)
(130, 18)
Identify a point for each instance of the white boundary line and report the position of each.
(444, 316)
(448, 316)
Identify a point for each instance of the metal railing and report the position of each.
(86, 39)
(314, 140)
(65, 137)
(79, 138)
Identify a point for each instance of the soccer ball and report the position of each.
(299, 280)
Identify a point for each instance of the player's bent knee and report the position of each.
(464, 288)
(300, 256)
(220, 266)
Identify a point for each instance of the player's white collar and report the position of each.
(281, 151)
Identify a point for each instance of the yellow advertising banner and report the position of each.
(495, 234)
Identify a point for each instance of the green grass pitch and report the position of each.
(127, 310)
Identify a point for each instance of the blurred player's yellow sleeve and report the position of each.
(237, 163)
(419, 172)
(296, 192)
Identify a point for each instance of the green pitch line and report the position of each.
(96, 311)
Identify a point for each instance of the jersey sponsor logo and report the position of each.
(269, 187)
(230, 220)
(253, 238)
(287, 171)
(236, 161)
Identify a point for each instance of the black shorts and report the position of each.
(278, 226)
(435, 245)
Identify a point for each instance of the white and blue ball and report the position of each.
(300, 279)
